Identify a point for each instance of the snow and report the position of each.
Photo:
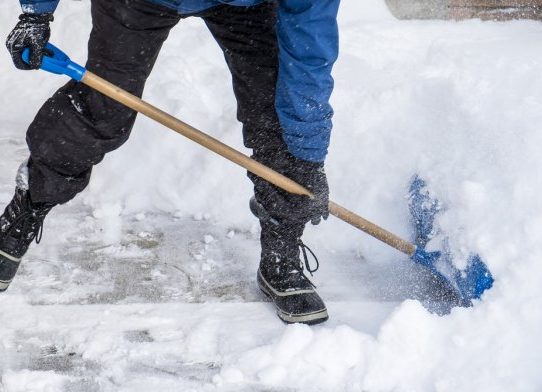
(146, 280)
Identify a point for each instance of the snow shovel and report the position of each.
(469, 284)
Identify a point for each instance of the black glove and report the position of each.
(287, 207)
(31, 32)
(313, 177)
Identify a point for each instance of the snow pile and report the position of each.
(306, 357)
(458, 103)
(33, 381)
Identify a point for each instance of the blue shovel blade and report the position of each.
(468, 284)
(423, 209)
(474, 280)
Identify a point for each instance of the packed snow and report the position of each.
(146, 281)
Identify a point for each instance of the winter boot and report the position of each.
(20, 224)
(281, 273)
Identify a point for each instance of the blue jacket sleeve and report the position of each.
(38, 6)
(308, 42)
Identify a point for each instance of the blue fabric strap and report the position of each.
(38, 6)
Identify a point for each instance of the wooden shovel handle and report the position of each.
(137, 104)
(372, 229)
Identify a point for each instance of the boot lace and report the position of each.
(32, 222)
(293, 269)
(304, 248)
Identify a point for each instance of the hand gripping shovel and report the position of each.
(469, 284)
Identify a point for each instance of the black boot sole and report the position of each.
(310, 318)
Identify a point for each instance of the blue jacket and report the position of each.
(308, 46)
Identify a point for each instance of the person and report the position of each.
(280, 54)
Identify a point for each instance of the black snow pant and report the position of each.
(77, 126)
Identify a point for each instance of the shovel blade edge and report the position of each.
(469, 283)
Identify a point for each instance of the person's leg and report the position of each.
(77, 126)
(247, 36)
